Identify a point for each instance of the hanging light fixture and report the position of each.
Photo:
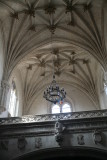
(53, 93)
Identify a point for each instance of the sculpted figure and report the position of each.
(59, 128)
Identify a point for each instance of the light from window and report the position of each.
(55, 109)
(12, 103)
(66, 108)
(105, 87)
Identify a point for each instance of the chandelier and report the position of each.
(53, 93)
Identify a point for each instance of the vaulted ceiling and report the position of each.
(67, 34)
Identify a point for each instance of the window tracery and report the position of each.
(61, 108)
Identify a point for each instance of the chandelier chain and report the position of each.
(53, 93)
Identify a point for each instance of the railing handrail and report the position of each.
(53, 117)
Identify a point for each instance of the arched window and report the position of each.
(105, 87)
(64, 108)
(13, 104)
(55, 108)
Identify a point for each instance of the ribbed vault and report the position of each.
(78, 35)
(71, 67)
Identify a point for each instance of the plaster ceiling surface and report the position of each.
(67, 34)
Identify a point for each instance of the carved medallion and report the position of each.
(80, 139)
(97, 137)
(38, 143)
(22, 142)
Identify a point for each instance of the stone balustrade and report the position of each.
(53, 117)
(23, 135)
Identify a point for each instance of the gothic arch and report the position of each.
(68, 153)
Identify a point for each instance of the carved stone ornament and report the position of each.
(53, 117)
(4, 144)
(38, 143)
(14, 15)
(97, 137)
(22, 142)
(52, 28)
(59, 128)
(59, 138)
(50, 9)
(80, 139)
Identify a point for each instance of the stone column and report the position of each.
(4, 95)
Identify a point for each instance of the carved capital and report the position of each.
(52, 28)
(59, 138)
(15, 15)
(87, 7)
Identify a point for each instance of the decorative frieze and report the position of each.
(54, 117)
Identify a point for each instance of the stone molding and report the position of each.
(47, 128)
(75, 131)
(54, 117)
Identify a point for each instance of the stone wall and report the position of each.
(20, 136)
